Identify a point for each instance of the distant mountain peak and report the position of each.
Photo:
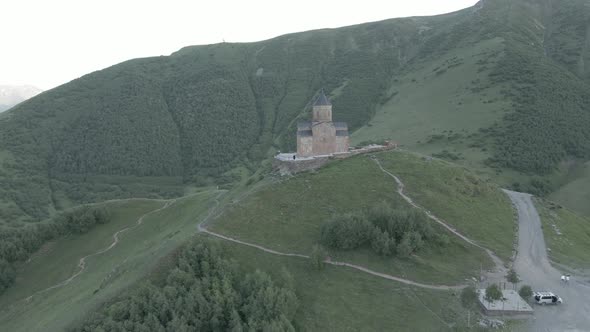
(11, 95)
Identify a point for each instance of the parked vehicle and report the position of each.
(547, 298)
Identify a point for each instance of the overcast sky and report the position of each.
(50, 42)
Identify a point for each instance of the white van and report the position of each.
(547, 298)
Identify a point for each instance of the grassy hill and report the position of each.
(575, 195)
(285, 215)
(502, 87)
(567, 235)
(140, 251)
(288, 216)
(511, 104)
(338, 299)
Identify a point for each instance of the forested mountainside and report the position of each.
(192, 117)
(551, 114)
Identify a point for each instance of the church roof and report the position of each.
(341, 125)
(341, 132)
(322, 100)
(304, 125)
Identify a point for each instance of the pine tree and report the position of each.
(235, 322)
(381, 243)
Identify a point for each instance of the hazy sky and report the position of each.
(50, 42)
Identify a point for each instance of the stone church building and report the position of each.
(321, 136)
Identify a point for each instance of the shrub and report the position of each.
(404, 248)
(7, 275)
(382, 243)
(468, 297)
(512, 277)
(525, 292)
(493, 293)
(385, 230)
(348, 231)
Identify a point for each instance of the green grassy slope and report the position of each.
(190, 116)
(57, 260)
(512, 103)
(440, 104)
(474, 206)
(567, 36)
(567, 235)
(338, 299)
(287, 216)
(138, 253)
(575, 194)
(502, 85)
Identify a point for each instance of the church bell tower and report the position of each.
(322, 109)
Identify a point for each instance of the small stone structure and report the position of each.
(321, 136)
(513, 304)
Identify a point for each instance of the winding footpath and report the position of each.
(335, 263)
(400, 189)
(82, 262)
(532, 263)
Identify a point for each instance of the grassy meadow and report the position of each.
(138, 253)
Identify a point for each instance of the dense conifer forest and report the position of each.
(203, 291)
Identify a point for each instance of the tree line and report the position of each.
(203, 291)
(17, 244)
(386, 231)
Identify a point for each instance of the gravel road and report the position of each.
(533, 267)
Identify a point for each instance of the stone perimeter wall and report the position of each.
(298, 166)
(294, 167)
